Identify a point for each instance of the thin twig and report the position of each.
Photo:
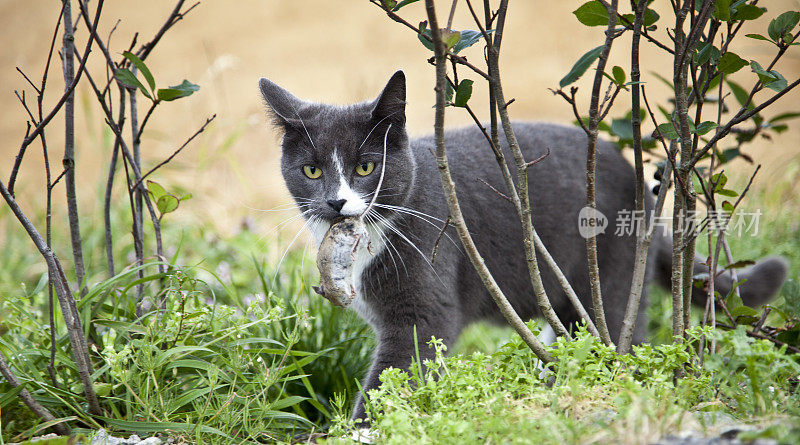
(81, 68)
(452, 14)
(452, 200)
(28, 399)
(642, 240)
(452, 56)
(524, 211)
(439, 239)
(69, 310)
(591, 167)
(498, 192)
(68, 59)
(109, 187)
(538, 160)
(175, 153)
(762, 337)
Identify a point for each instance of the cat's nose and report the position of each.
(337, 204)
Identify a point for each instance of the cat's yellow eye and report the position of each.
(365, 168)
(312, 172)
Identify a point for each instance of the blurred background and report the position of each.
(337, 51)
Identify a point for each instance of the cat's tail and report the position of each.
(761, 281)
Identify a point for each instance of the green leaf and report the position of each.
(726, 192)
(663, 79)
(714, 82)
(732, 300)
(287, 402)
(448, 93)
(784, 116)
(463, 92)
(668, 131)
(154, 427)
(743, 310)
(720, 179)
(186, 88)
(727, 206)
(423, 33)
(706, 52)
(705, 127)
(187, 397)
(783, 25)
(581, 66)
(403, 3)
(728, 155)
(771, 79)
(780, 128)
(730, 63)
(619, 75)
(757, 37)
(155, 189)
(791, 297)
(127, 78)
(763, 75)
(137, 62)
(163, 357)
(747, 12)
(650, 18)
(745, 315)
(722, 10)
(6, 398)
(450, 37)
(468, 38)
(622, 128)
(389, 4)
(592, 13)
(779, 84)
(792, 336)
(739, 93)
(739, 264)
(167, 203)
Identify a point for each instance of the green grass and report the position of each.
(242, 353)
(247, 353)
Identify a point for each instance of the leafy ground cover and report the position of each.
(247, 353)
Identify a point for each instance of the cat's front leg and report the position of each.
(396, 345)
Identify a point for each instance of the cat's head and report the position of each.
(332, 156)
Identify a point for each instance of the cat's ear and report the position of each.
(283, 105)
(391, 104)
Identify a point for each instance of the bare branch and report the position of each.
(69, 310)
(538, 160)
(591, 167)
(498, 192)
(439, 238)
(452, 200)
(81, 68)
(642, 241)
(175, 153)
(68, 59)
(28, 399)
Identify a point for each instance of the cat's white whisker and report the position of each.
(372, 221)
(286, 251)
(373, 129)
(305, 129)
(397, 231)
(410, 211)
(280, 208)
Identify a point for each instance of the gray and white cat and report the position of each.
(331, 162)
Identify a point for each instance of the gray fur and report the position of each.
(400, 289)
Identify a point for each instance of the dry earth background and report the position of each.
(337, 51)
